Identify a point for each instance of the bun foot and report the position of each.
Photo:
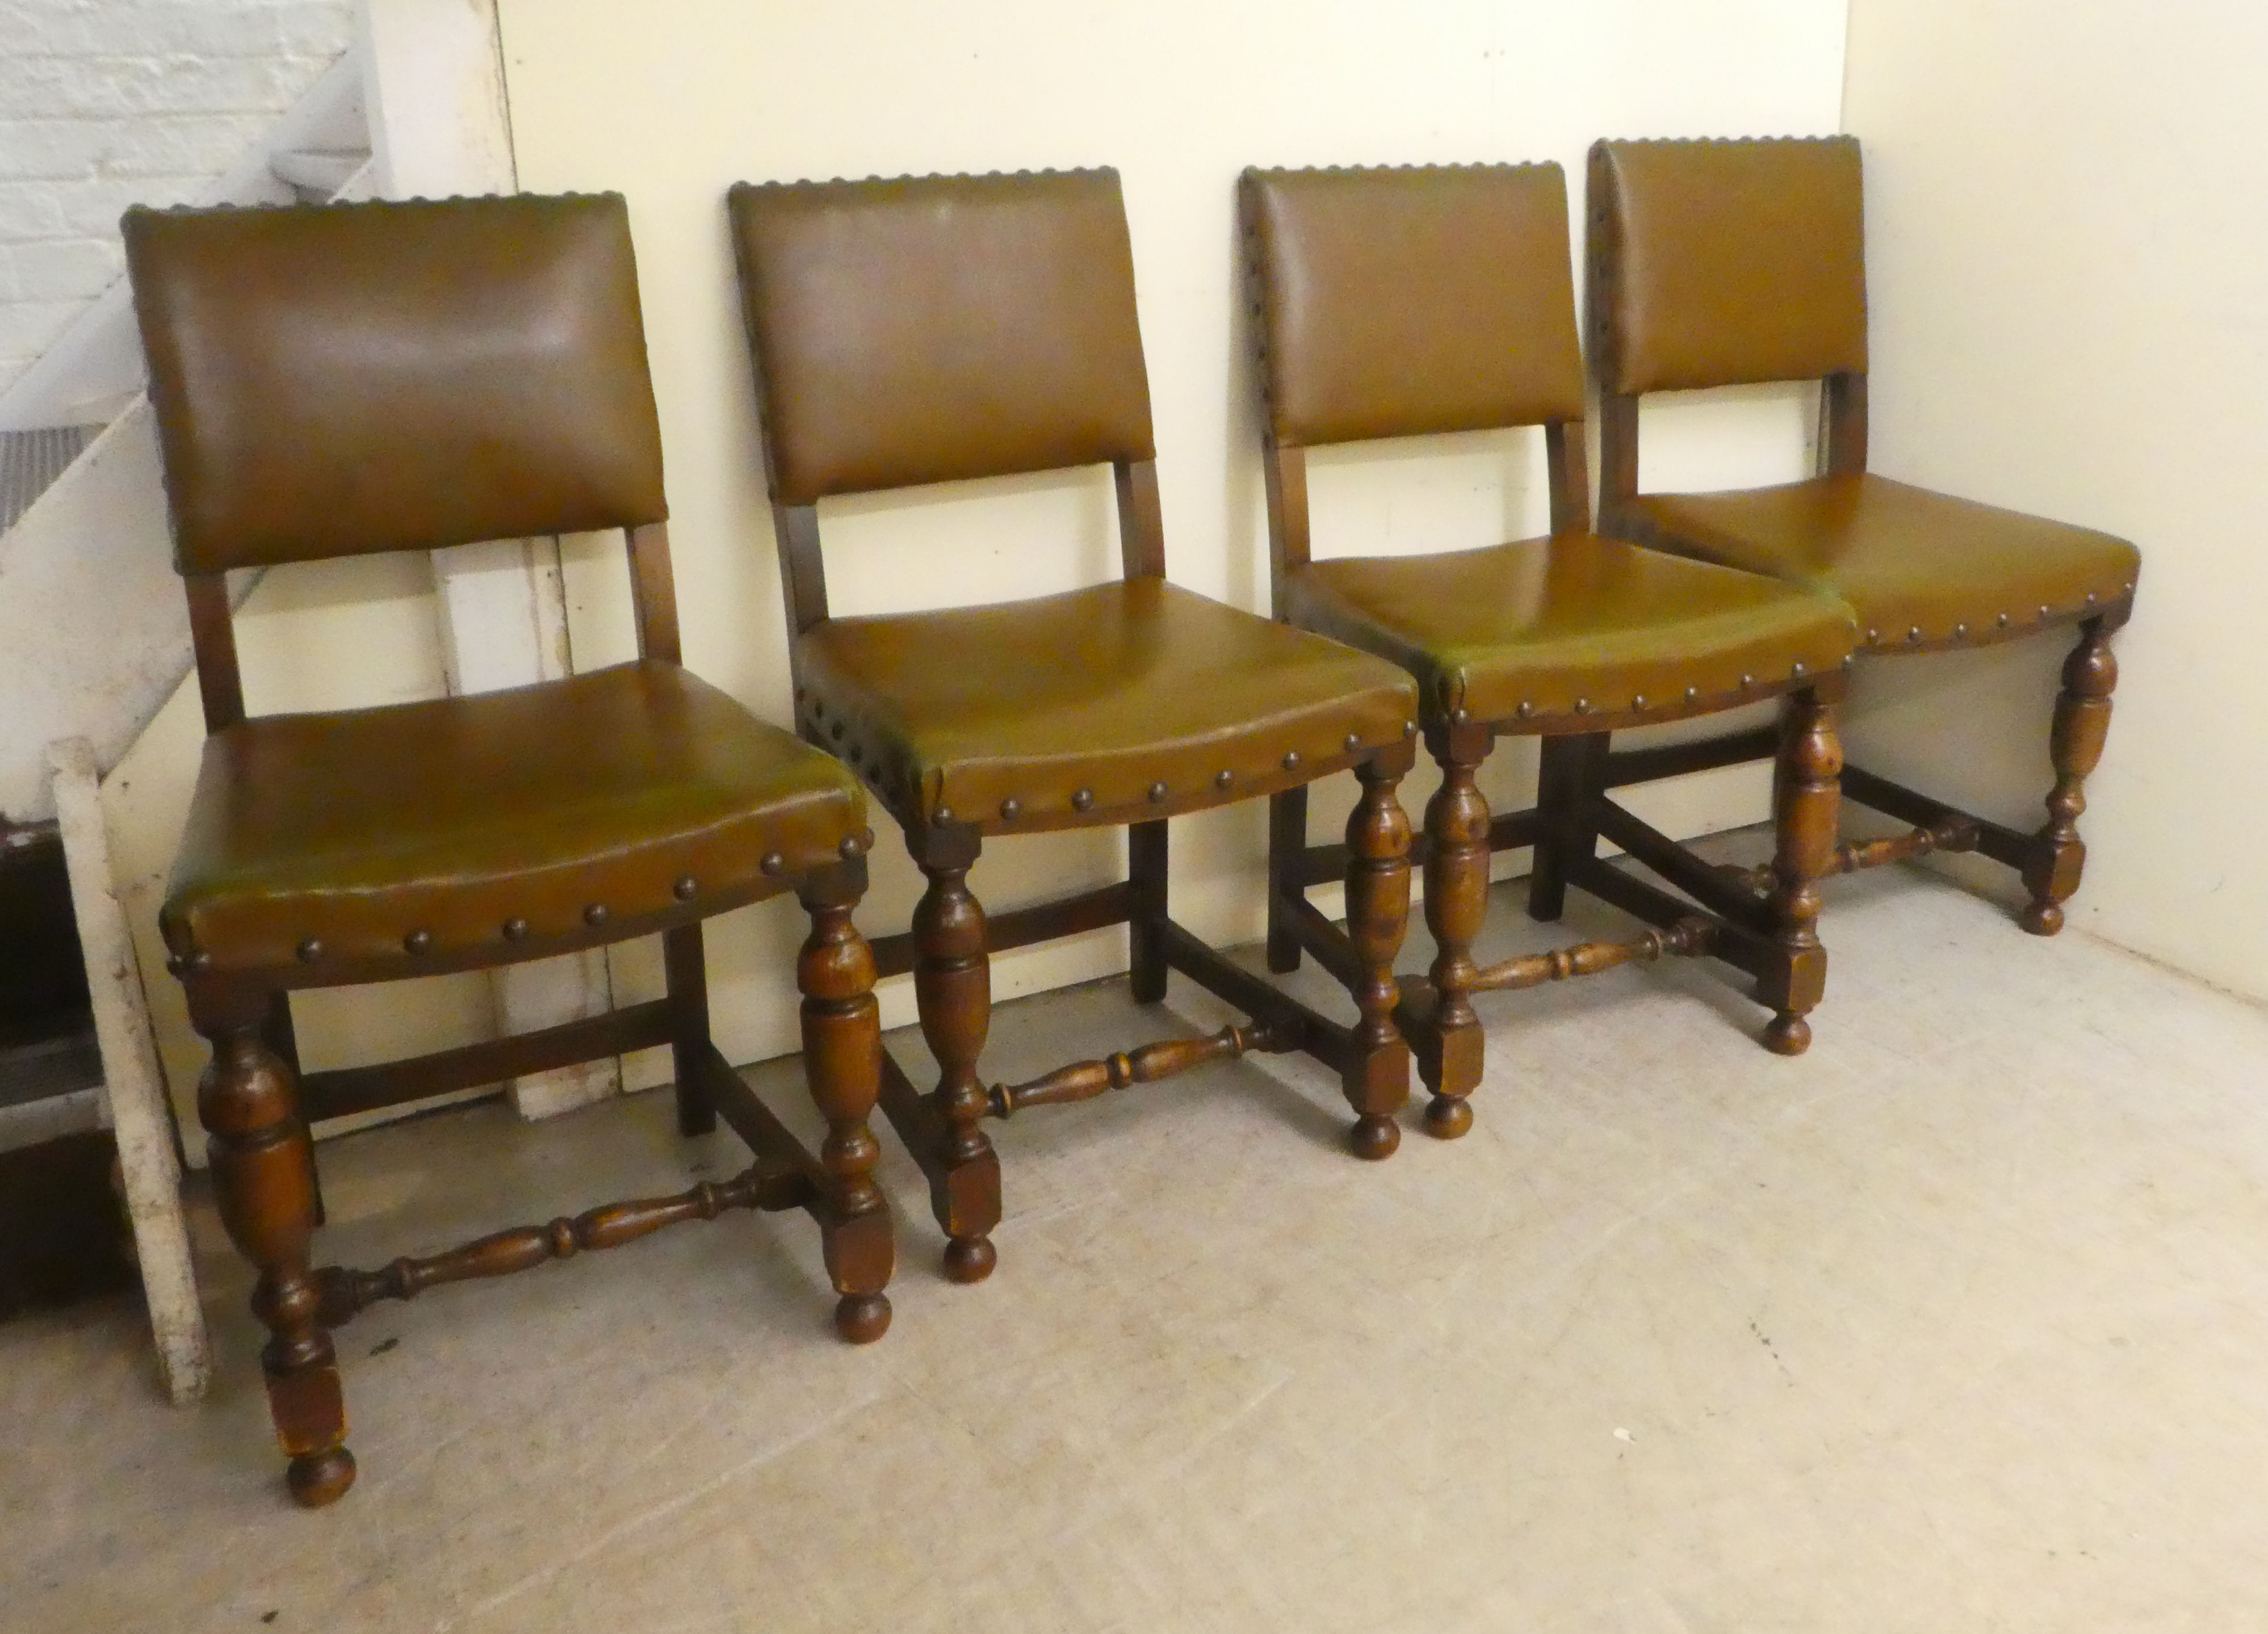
(969, 1259)
(862, 1318)
(1787, 1034)
(1448, 1116)
(320, 1478)
(2041, 918)
(1373, 1138)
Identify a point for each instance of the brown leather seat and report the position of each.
(1097, 706)
(1571, 625)
(363, 378)
(1408, 302)
(1723, 264)
(937, 329)
(447, 822)
(1919, 569)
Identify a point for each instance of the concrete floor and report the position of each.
(1958, 1322)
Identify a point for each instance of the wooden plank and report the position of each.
(1042, 922)
(349, 1090)
(1675, 759)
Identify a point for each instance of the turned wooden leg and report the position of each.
(1567, 770)
(1456, 903)
(1145, 856)
(1806, 803)
(1287, 839)
(842, 1061)
(263, 1179)
(952, 984)
(1376, 1075)
(686, 969)
(2082, 721)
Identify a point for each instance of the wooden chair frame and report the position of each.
(949, 946)
(1765, 926)
(256, 1105)
(2048, 860)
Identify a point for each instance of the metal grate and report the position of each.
(30, 461)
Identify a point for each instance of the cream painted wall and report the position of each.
(673, 100)
(2068, 272)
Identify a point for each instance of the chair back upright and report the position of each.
(1410, 302)
(340, 380)
(936, 328)
(1727, 263)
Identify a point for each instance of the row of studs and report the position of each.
(2002, 621)
(1640, 704)
(1225, 779)
(311, 949)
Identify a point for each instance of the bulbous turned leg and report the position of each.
(952, 985)
(1376, 1075)
(263, 1179)
(843, 1060)
(1807, 807)
(2082, 721)
(1456, 903)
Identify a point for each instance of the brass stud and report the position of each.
(1638, 703)
(1692, 695)
(1873, 637)
(595, 913)
(2090, 598)
(2044, 610)
(1960, 632)
(1582, 706)
(1354, 741)
(1157, 792)
(1081, 798)
(686, 886)
(1292, 760)
(773, 863)
(2002, 620)
(175, 964)
(1799, 669)
(1913, 635)
(1747, 681)
(850, 847)
(2128, 587)
(1409, 728)
(1461, 715)
(1849, 661)
(310, 951)
(515, 929)
(1526, 708)
(942, 817)
(417, 942)
(200, 961)
(1011, 809)
(1221, 779)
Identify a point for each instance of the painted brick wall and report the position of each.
(106, 103)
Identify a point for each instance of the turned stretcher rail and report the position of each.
(1950, 833)
(1685, 938)
(1083, 1080)
(346, 1292)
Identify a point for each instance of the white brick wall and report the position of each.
(106, 103)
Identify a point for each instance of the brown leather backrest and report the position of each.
(340, 379)
(1399, 302)
(1718, 263)
(935, 328)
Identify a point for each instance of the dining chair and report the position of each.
(1412, 302)
(939, 329)
(335, 381)
(1724, 264)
